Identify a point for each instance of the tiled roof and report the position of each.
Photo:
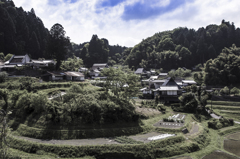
(74, 74)
(139, 71)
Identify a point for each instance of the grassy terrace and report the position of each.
(196, 145)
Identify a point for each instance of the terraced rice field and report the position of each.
(235, 136)
(219, 155)
(232, 144)
(226, 109)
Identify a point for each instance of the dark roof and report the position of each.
(139, 71)
(55, 73)
(170, 82)
(16, 60)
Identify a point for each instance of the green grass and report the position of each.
(223, 103)
(39, 155)
(138, 150)
(223, 107)
(229, 112)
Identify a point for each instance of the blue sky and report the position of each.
(127, 22)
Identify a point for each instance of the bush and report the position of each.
(225, 91)
(219, 123)
(3, 76)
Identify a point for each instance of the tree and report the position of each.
(4, 131)
(3, 76)
(97, 51)
(7, 57)
(234, 91)
(71, 64)
(4, 95)
(123, 85)
(225, 91)
(58, 44)
(2, 56)
(195, 99)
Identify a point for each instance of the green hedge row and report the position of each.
(223, 103)
(230, 112)
(228, 131)
(223, 107)
(27, 131)
(148, 151)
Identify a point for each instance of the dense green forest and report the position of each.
(222, 70)
(183, 47)
(21, 32)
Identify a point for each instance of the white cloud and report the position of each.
(82, 19)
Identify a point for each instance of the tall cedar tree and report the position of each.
(58, 44)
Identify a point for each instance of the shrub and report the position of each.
(3, 76)
(225, 91)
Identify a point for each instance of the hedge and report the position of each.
(223, 103)
(224, 107)
(149, 150)
(27, 131)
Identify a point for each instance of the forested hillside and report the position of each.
(21, 32)
(183, 47)
(223, 70)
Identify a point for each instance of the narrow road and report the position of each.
(74, 142)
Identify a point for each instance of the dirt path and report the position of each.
(97, 141)
(194, 129)
(76, 142)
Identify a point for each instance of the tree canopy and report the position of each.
(58, 44)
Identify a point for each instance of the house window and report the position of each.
(164, 93)
(171, 92)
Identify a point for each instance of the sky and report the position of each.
(128, 22)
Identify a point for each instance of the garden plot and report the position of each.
(175, 121)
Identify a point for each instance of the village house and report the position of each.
(25, 60)
(169, 89)
(59, 76)
(74, 76)
(140, 71)
(96, 70)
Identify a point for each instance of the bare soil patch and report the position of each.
(219, 155)
(147, 111)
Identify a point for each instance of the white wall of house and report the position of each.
(147, 92)
(171, 92)
(55, 78)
